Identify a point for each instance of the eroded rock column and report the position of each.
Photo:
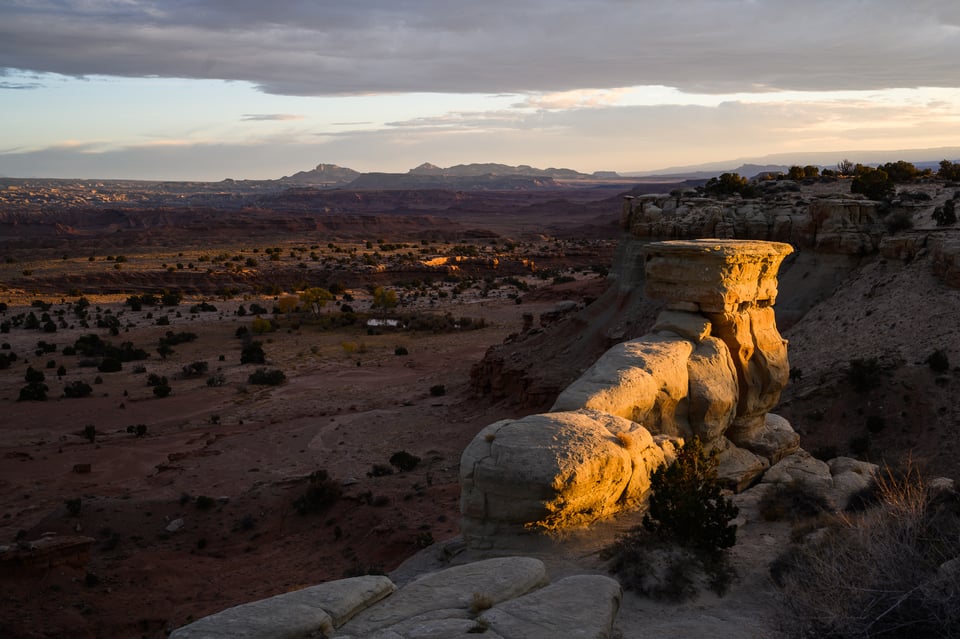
(733, 284)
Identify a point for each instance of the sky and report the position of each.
(250, 89)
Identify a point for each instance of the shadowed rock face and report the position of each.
(713, 365)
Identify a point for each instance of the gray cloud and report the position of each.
(331, 47)
(19, 86)
(269, 117)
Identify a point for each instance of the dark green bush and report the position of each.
(379, 470)
(195, 369)
(404, 461)
(685, 532)
(266, 377)
(252, 353)
(864, 374)
(77, 389)
(438, 390)
(687, 505)
(34, 392)
(938, 361)
(322, 492)
(110, 365)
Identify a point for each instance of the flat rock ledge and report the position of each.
(502, 598)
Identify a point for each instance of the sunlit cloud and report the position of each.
(576, 99)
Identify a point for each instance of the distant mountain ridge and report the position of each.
(478, 176)
(494, 176)
(489, 168)
(322, 175)
(749, 167)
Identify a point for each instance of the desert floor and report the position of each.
(226, 463)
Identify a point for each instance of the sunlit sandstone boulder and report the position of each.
(555, 470)
(712, 367)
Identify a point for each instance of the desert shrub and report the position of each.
(899, 221)
(793, 501)
(90, 432)
(77, 389)
(155, 380)
(266, 377)
(379, 470)
(438, 390)
(256, 309)
(322, 492)
(138, 430)
(687, 506)
(182, 337)
(885, 572)
(946, 215)
(110, 365)
(401, 350)
(33, 392)
(195, 369)
(859, 445)
(261, 326)
(252, 353)
(729, 184)
(217, 379)
(162, 390)
(73, 506)
(6, 359)
(203, 307)
(682, 542)
(404, 461)
(938, 361)
(876, 423)
(864, 374)
(204, 502)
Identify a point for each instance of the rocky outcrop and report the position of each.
(505, 598)
(301, 613)
(830, 225)
(712, 367)
(554, 470)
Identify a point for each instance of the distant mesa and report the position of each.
(324, 175)
(478, 176)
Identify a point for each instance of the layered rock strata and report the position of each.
(712, 367)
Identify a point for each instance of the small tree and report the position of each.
(873, 183)
(687, 506)
(384, 298)
(686, 531)
(252, 353)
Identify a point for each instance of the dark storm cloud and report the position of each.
(331, 47)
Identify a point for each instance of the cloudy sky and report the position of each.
(209, 89)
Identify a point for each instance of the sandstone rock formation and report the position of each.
(712, 367)
(503, 598)
(830, 225)
(555, 470)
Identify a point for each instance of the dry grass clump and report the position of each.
(892, 570)
(793, 502)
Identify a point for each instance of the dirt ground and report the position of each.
(198, 513)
